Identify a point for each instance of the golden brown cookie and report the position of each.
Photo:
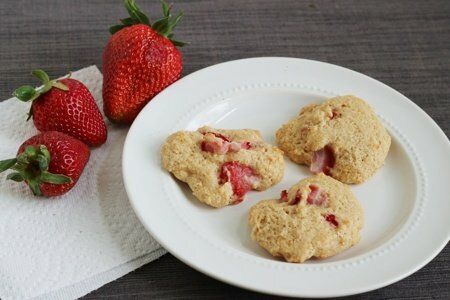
(341, 137)
(318, 217)
(221, 166)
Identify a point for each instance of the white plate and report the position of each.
(406, 204)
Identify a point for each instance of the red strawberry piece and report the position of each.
(317, 196)
(284, 196)
(66, 106)
(331, 219)
(334, 114)
(215, 143)
(219, 144)
(297, 199)
(214, 147)
(139, 61)
(236, 146)
(50, 163)
(241, 177)
(322, 160)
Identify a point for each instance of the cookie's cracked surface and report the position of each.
(220, 166)
(341, 137)
(318, 217)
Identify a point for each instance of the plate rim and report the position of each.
(268, 291)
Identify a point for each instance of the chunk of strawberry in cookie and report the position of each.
(215, 143)
(322, 160)
(334, 114)
(241, 177)
(330, 218)
(236, 146)
(219, 144)
(317, 196)
(297, 199)
(284, 196)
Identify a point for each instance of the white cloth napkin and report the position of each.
(65, 247)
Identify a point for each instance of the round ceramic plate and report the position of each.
(406, 203)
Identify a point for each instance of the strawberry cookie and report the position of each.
(221, 166)
(318, 217)
(341, 137)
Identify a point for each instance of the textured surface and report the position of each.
(343, 131)
(317, 217)
(63, 248)
(73, 112)
(183, 156)
(405, 45)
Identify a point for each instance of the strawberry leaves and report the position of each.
(135, 13)
(163, 26)
(27, 93)
(129, 21)
(32, 166)
(54, 178)
(166, 8)
(178, 43)
(15, 177)
(7, 164)
(59, 85)
(113, 29)
(41, 75)
(136, 17)
(168, 24)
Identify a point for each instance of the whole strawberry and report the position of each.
(66, 106)
(50, 163)
(139, 61)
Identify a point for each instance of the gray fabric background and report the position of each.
(405, 44)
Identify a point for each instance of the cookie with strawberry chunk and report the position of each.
(341, 137)
(318, 217)
(221, 166)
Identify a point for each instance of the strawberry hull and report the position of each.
(69, 156)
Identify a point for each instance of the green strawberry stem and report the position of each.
(163, 26)
(31, 166)
(27, 93)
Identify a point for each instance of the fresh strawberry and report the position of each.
(50, 163)
(66, 106)
(241, 177)
(139, 61)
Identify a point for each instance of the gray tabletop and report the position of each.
(405, 44)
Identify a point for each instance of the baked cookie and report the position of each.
(318, 217)
(341, 137)
(221, 166)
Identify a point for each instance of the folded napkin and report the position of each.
(65, 247)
